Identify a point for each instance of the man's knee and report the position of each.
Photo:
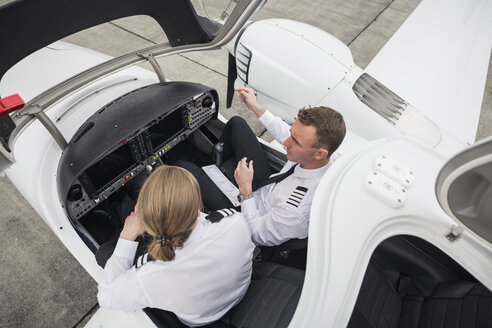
(237, 121)
(237, 132)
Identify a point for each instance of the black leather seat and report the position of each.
(427, 289)
(270, 301)
(291, 253)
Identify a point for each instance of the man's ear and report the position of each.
(321, 154)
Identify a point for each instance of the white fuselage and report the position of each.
(306, 66)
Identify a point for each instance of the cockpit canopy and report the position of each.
(29, 25)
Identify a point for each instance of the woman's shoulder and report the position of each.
(224, 219)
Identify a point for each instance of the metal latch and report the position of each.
(453, 234)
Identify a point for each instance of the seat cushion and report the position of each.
(384, 303)
(378, 304)
(458, 304)
(271, 299)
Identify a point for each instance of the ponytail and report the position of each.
(162, 246)
(168, 206)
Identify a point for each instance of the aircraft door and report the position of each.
(464, 189)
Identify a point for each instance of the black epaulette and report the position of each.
(220, 214)
(297, 195)
(142, 259)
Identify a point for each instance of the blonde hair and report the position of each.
(168, 206)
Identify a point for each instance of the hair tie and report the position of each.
(163, 239)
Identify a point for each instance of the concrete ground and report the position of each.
(42, 284)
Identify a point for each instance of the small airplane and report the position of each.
(400, 228)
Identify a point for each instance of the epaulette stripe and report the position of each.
(288, 202)
(142, 259)
(297, 196)
(220, 214)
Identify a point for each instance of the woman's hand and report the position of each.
(244, 176)
(132, 228)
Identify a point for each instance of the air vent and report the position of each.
(408, 119)
(379, 98)
(243, 59)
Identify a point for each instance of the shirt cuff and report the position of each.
(266, 118)
(248, 207)
(125, 248)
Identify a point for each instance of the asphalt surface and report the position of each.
(42, 284)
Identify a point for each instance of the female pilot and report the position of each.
(196, 268)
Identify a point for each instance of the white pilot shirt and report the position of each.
(279, 212)
(209, 275)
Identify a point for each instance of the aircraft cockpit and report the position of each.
(147, 125)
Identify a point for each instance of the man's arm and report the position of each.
(247, 96)
(275, 125)
(244, 177)
(281, 223)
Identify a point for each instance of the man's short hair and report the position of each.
(329, 124)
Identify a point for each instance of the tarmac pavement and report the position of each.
(42, 284)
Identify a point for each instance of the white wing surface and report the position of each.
(438, 60)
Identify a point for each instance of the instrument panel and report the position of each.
(137, 152)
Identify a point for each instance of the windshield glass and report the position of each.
(215, 10)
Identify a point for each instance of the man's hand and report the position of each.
(132, 228)
(244, 176)
(247, 96)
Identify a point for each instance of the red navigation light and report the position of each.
(10, 104)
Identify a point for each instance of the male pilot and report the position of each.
(277, 206)
(279, 211)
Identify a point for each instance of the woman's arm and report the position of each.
(121, 288)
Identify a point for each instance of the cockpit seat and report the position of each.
(402, 297)
(270, 301)
(456, 304)
(291, 253)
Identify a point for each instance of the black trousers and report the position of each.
(239, 141)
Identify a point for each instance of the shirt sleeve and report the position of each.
(121, 288)
(281, 223)
(276, 126)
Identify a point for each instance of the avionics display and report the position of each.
(110, 167)
(165, 129)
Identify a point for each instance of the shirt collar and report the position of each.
(314, 173)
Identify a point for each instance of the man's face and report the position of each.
(300, 143)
